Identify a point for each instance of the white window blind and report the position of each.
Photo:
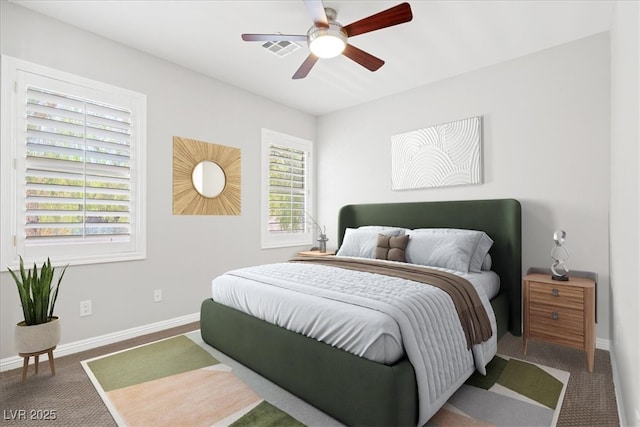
(78, 171)
(286, 190)
(76, 152)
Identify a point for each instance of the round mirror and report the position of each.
(208, 178)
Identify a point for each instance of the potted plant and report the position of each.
(40, 329)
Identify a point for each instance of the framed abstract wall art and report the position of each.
(438, 156)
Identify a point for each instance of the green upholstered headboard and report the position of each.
(500, 219)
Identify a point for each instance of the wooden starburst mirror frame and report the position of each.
(187, 199)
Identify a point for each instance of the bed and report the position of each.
(353, 389)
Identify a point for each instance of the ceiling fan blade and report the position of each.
(305, 67)
(363, 58)
(316, 10)
(274, 37)
(387, 18)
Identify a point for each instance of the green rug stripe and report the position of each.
(267, 415)
(150, 362)
(531, 381)
(494, 370)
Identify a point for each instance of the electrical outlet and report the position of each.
(85, 308)
(157, 295)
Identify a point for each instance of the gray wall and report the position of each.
(184, 252)
(625, 206)
(546, 143)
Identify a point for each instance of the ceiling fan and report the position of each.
(327, 38)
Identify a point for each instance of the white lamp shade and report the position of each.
(327, 42)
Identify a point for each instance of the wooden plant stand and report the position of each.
(36, 355)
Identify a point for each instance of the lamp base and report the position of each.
(322, 243)
(563, 278)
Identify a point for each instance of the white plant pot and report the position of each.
(35, 338)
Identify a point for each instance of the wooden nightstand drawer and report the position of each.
(561, 325)
(559, 295)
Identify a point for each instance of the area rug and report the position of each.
(175, 382)
(178, 382)
(513, 393)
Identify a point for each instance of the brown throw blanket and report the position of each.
(472, 314)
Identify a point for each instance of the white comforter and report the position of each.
(424, 316)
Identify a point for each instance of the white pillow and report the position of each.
(385, 229)
(456, 249)
(361, 242)
(486, 264)
(480, 253)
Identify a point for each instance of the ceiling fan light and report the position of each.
(327, 42)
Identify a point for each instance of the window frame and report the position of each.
(15, 75)
(304, 238)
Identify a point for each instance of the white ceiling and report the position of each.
(445, 38)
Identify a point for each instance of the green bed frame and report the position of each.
(354, 390)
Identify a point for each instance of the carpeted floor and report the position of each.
(589, 401)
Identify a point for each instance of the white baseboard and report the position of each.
(603, 344)
(616, 386)
(15, 362)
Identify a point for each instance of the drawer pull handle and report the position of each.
(555, 315)
(555, 292)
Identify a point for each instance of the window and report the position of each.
(287, 190)
(73, 163)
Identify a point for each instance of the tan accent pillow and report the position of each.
(391, 247)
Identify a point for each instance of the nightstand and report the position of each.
(316, 253)
(560, 312)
